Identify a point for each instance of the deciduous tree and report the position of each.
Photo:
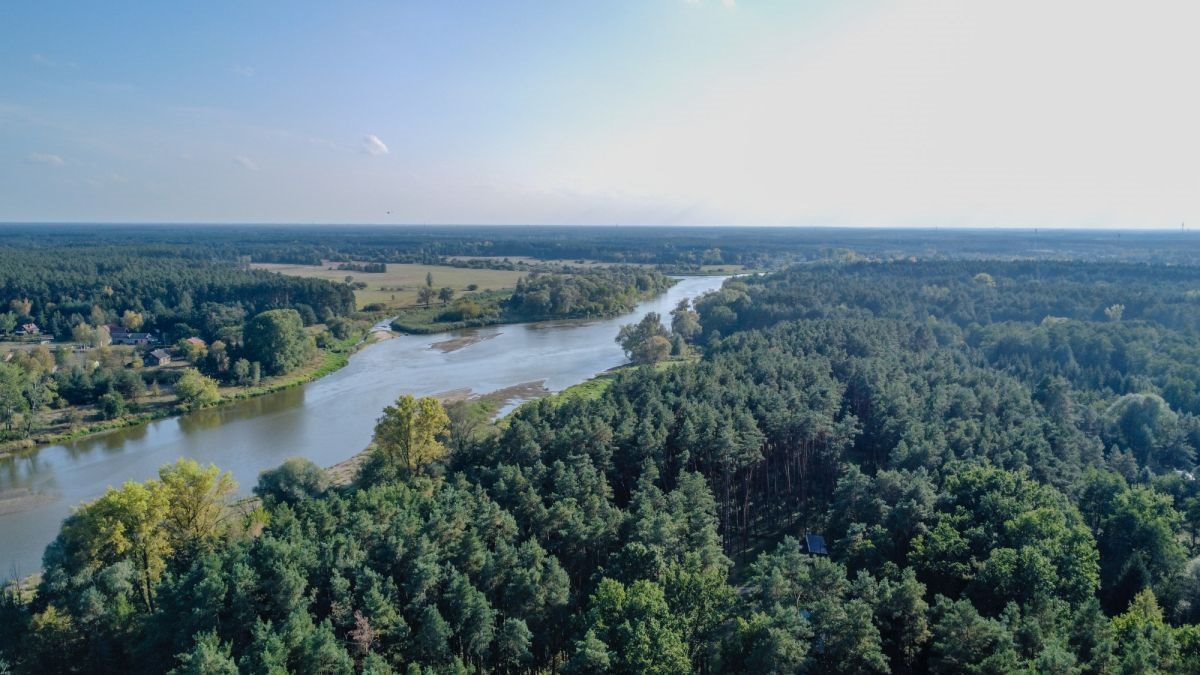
(196, 390)
(408, 433)
(277, 340)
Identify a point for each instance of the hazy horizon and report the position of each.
(1074, 115)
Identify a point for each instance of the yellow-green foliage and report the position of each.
(408, 432)
(196, 390)
(145, 523)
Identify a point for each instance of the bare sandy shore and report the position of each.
(455, 344)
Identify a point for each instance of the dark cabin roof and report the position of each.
(815, 544)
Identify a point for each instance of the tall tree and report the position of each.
(645, 341)
(123, 525)
(408, 432)
(276, 339)
(198, 500)
(12, 396)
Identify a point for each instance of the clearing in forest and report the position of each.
(397, 287)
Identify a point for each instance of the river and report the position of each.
(326, 421)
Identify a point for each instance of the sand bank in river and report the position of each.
(22, 499)
(457, 343)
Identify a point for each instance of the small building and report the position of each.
(29, 329)
(196, 342)
(814, 544)
(158, 357)
(123, 337)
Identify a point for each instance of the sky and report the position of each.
(1021, 113)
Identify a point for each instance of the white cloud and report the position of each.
(244, 71)
(731, 4)
(47, 62)
(44, 158)
(373, 146)
(246, 163)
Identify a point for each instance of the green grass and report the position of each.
(588, 390)
(325, 363)
(424, 320)
(594, 388)
(398, 286)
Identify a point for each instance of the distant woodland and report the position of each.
(679, 248)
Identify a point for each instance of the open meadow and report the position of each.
(397, 287)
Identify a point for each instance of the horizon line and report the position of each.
(929, 228)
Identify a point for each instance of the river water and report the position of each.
(326, 421)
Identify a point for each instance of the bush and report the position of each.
(112, 405)
(293, 481)
(196, 390)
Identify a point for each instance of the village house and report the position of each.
(158, 357)
(29, 329)
(121, 336)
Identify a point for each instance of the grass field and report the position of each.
(398, 286)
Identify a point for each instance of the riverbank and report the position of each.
(325, 421)
(426, 321)
(593, 388)
(593, 294)
(484, 405)
(152, 409)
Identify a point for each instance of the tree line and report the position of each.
(60, 289)
(680, 248)
(583, 292)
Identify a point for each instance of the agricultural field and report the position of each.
(398, 286)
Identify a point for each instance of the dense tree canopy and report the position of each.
(277, 340)
(149, 288)
(1002, 474)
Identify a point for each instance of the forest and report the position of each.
(60, 287)
(948, 466)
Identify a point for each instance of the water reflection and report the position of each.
(200, 420)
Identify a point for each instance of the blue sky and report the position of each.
(1020, 113)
